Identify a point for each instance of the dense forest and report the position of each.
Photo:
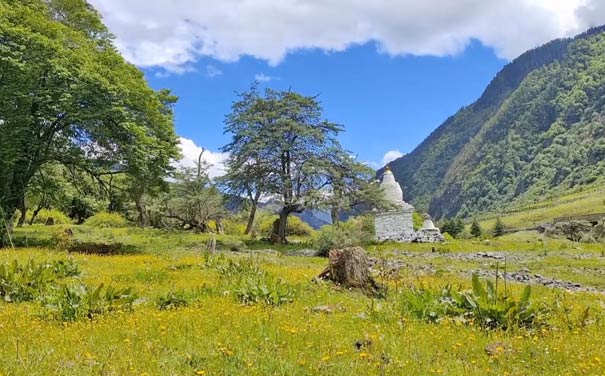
(538, 128)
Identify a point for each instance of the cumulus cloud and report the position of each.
(175, 34)
(261, 77)
(390, 156)
(191, 153)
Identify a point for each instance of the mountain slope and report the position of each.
(537, 127)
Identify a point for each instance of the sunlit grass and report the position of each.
(217, 335)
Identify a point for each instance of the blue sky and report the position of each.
(386, 103)
(390, 71)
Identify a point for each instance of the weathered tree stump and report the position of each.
(349, 267)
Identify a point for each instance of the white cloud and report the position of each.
(172, 34)
(191, 153)
(390, 156)
(213, 71)
(261, 77)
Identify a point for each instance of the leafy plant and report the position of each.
(174, 300)
(264, 290)
(71, 303)
(105, 219)
(481, 305)
(19, 283)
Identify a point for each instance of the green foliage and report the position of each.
(233, 227)
(355, 231)
(418, 220)
(106, 219)
(537, 130)
(71, 303)
(19, 283)
(296, 226)
(279, 137)
(498, 228)
(193, 201)
(173, 300)
(68, 97)
(476, 230)
(481, 306)
(264, 290)
(454, 227)
(58, 217)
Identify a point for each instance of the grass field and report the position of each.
(209, 328)
(587, 201)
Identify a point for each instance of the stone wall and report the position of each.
(396, 225)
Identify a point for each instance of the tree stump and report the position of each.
(349, 267)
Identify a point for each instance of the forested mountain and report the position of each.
(538, 127)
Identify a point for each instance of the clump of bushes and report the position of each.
(46, 216)
(107, 220)
(354, 232)
(296, 226)
(482, 306)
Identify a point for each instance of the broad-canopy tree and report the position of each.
(282, 148)
(352, 186)
(68, 97)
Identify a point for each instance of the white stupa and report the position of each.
(396, 223)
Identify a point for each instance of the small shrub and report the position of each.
(240, 268)
(476, 230)
(354, 232)
(58, 217)
(480, 306)
(71, 303)
(296, 226)
(173, 300)
(498, 228)
(107, 220)
(264, 290)
(20, 283)
(233, 227)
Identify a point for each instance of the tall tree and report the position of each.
(68, 97)
(247, 169)
(284, 135)
(352, 186)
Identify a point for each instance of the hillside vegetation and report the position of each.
(537, 130)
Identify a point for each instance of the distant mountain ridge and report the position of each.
(538, 127)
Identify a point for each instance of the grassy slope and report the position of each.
(219, 336)
(587, 201)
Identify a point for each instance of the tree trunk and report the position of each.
(35, 214)
(143, 218)
(6, 223)
(334, 213)
(251, 219)
(23, 211)
(220, 229)
(280, 226)
(349, 267)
